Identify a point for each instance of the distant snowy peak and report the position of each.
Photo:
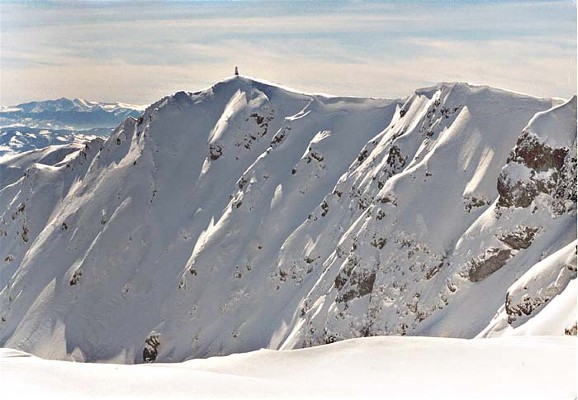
(67, 105)
(39, 124)
(67, 114)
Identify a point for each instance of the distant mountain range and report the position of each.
(34, 125)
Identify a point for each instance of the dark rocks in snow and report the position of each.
(363, 155)
(544, 170)
(258, 118)
(515, 194)
(215, 151)
(325, 208)
(314, 155)
(76, 277)
(488, 263)
(535, 155)
(434, 270)
(360, 283)
(471, 202)
(150, 350)
(395, 159)
(24, 234)
(521, 238)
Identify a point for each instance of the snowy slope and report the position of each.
(15, 140)
(248, 215)
(369, 368)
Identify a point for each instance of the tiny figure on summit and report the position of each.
(236, 71)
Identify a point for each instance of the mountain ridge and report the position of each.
(245, 216)
(38, 124)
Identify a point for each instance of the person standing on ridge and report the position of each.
(236, 71)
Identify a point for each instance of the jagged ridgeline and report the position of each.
(249, 215)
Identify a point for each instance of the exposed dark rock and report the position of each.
(530, 152)
(388, 199)
(519, 194)
(76, 277)
(24, 234)
(434, 270)
(524, 307)
(521, 238)
(471, 202)
(215, 151)
(395, 159)
(258, 118)
(316, 156)
(365, 285)
(362, 156)
(150, 350)
(361, 285)
(487, 264)
(325, 208)
(551, 171)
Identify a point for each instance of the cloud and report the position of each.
(137, 52)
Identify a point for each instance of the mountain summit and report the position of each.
(248, 215)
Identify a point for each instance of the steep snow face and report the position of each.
(122, 242)
(247, 216)
(418, 256)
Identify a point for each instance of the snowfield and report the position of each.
(248, 216)
(369, 368)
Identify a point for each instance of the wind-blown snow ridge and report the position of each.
(246, 215)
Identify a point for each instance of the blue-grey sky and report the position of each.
(137, 52)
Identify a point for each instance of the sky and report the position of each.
(138, 52)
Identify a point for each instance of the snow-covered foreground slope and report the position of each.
(384, 367)
(248, 216)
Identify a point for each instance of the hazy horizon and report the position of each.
(137, 52)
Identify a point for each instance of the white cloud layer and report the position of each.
(138, 52)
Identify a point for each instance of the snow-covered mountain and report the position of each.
(249, 215)
(34, 125)
(63, 113)
(14, 140)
